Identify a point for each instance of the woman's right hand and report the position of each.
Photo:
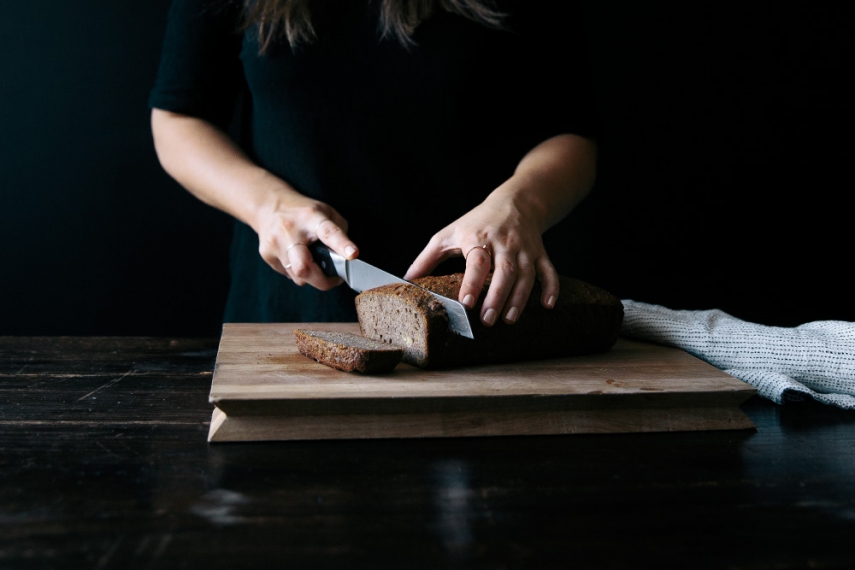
(203, 159)
(287, 224)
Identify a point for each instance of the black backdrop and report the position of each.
(724, 173)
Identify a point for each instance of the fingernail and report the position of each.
(489, 317)
(551, 302)
(349, 251)
(512, 314)
(469, 301)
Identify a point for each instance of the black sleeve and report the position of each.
(200, 72)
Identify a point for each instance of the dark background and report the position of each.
(724, 173)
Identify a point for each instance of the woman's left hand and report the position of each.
(503, 233)
(496, 235)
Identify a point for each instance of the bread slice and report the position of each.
(586, 319)
(348, 352)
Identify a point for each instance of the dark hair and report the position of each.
(398, 18)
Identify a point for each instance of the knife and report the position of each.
(361, 276)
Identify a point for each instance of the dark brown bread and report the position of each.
(348, 352)
(586, 319)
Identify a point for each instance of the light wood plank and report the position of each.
(265, 385)
(473, 424)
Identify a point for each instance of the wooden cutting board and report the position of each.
(264, 389)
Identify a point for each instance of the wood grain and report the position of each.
(635, 386)
(123, 478)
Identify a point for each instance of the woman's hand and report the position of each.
(203, 159)
(503, 233)
(285, 227)
(514, 251)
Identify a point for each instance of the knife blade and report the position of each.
(361, 276)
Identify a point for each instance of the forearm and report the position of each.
(206, 162)
(550, 180)
(212, 167)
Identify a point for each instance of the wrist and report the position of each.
(518, 194)
(269, 195)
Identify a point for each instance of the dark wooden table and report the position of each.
(104, 464)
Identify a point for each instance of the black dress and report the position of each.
(400, 141)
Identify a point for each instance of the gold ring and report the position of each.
(482, 246)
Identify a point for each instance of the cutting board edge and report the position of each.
(468, 424)
(254, 405)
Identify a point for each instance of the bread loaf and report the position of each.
(585, 319)
(348, 352)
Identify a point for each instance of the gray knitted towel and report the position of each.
(816, 359)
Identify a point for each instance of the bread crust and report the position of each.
(394, 304)
(585, 319)
(348, 352)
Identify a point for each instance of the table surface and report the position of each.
(104, 464)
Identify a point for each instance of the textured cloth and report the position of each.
(816, 359)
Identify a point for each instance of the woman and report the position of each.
(377, 128)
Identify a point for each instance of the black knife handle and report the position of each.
(323, 257)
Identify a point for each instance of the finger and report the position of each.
(432, 255)
(478, 265)
(336, 238)
(521, 289)
(504, 278)
(549, 281)
(276, 264)
(303, 269)
(268, 251)
(294, 257)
